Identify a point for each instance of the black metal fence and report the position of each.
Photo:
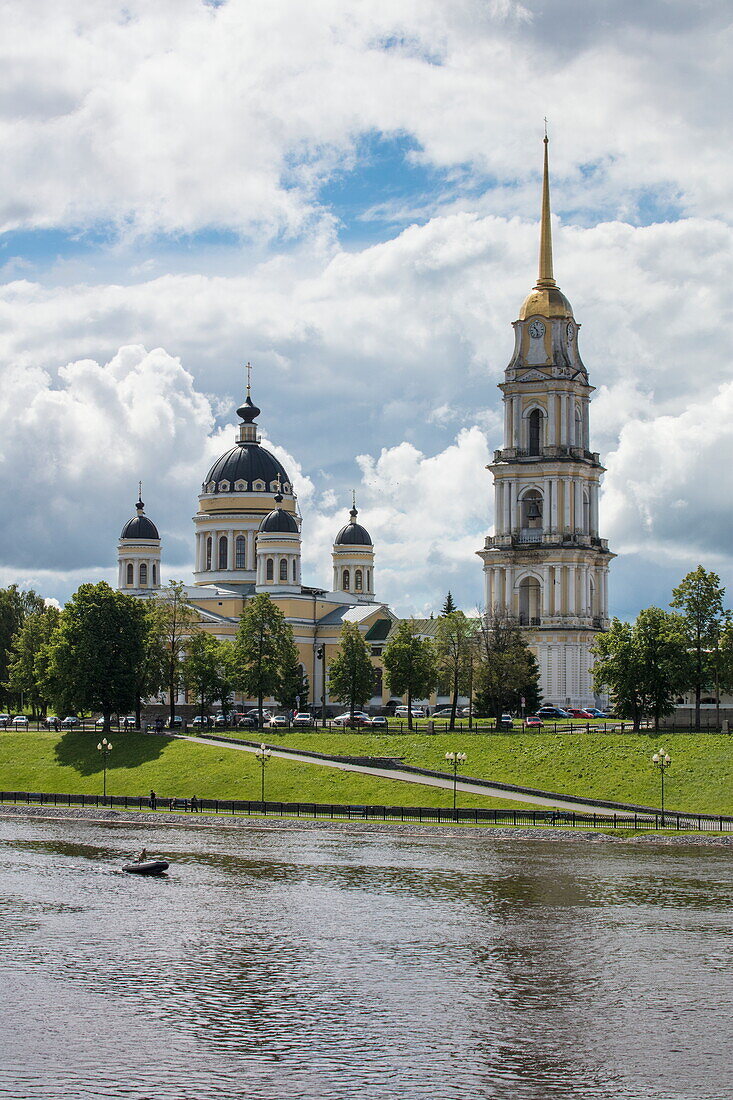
(677, 822)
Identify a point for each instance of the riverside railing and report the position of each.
(674, 821)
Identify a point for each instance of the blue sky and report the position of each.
(347, 196)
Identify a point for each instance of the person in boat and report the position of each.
(142, 858)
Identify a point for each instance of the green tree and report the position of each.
(95, 655)
(206, 669)
(260, 652)
(506, 670)
(178, 620)
(410, 664)
(351, 676)
(699, 598)
(643, 664)
(26, 674)
(448, 605)
(15, 606)
(453, 646)
(292, 691)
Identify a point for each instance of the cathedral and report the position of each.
(545, 564)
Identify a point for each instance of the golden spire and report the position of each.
(545, 277)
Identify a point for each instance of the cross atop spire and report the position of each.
(545, 277)
(249, 378)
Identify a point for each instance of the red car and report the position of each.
(533, 722)
(579, 714)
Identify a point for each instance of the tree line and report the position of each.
(646, 665)
(107, 652)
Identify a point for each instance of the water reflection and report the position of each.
(322, 964)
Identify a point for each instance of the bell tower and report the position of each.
(546, 563)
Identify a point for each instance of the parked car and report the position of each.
(20, 722)
(69, 721)
(201, 721)
(552, 712)
(596, 713)
(247, 722)
(359, 719)
(50, 721)
(402, 711)
(506, 721)
(278, 721)
(533, 722)
(303, 718)
(128, 722)
(221, 721)
(174, 723)
(465, 712)
(4, 720)
(575, 712)
(445, 712)
(379, 721)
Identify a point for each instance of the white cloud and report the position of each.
(179, 115)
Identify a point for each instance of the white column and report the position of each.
(545, 591)
(509, 581)
(516, 420)
(567, 484)
(489, 589)
(198, 551)
(578, 505)
(586, 423)
(594, 509)
(507, 509)
(572, 590)
(567, 401)
(507, 422)
(498, 510)
(551, 419)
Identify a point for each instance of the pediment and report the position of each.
(533, 376)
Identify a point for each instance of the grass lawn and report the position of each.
(610, 766)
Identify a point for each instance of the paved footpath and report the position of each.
(465, 785)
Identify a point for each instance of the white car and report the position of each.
(303, 718)
(4, 719)
(359, 716)
(402, 712)
(277, 720)
(20, 722)
(200, 721)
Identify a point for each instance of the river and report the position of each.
(326, 964)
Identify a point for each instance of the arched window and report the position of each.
(223, 551)
(358, 580)
(295, 571)
(529, 602)
(240, 551)
(270, 570)
(369, 580)
(208, 552)
(283, 569)
(531, 504)
(143, 574)
(535, 431)
(130, 574)
(155, 573)
(347, 580)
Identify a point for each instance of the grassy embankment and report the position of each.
(610, 766)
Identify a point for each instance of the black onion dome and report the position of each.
(353, 534)
(247, 462)
(140, 527)
(280, 520)
(248, 411)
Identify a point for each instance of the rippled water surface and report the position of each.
(274, 965)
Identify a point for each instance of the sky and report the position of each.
(346, 194)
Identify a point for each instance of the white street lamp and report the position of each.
(263, 754)
(105, 747)
(456, 760)
(662, 760)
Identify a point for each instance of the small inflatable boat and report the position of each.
(147, 867)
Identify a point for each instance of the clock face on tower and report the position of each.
(571, 331)
(536, 330)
